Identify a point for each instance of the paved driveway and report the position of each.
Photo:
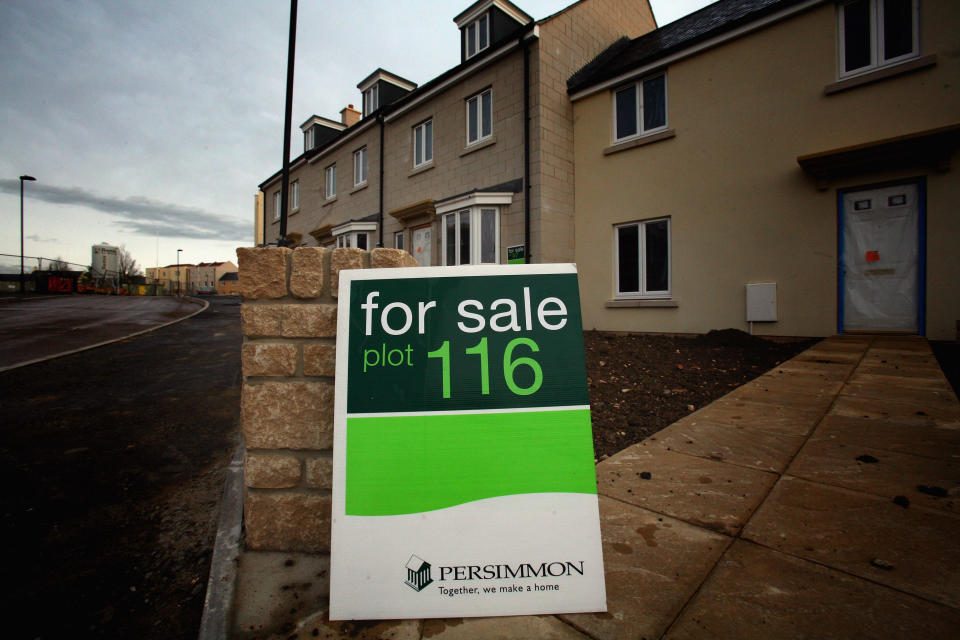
(42, 327)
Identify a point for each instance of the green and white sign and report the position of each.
(516, 254)
(464, 481)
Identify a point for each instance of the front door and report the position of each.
(422, 243)
(881, 262)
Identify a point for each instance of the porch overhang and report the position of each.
(931, 148)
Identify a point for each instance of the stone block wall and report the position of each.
(289, 319)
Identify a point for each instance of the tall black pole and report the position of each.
(22, 178)
(285, 180)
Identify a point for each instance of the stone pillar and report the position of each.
(289, 319)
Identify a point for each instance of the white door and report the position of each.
(881, 259)
(422, 243)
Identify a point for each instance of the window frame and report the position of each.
(475, 38)
(360, 166)
(476, 234)
(642, 293)
(478, 98)
(295, 196)
(308, 138)
(351, 239)
(330, 181)
(276, 205)
(637, 87)
(877, 41)
(399, 240)
(371, 99)
(423, 149)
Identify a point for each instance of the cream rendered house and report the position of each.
(448, 170)
(781, 166)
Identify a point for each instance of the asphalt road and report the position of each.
(112, 463)
(40, 327)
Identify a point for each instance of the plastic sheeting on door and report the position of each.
(881, 253)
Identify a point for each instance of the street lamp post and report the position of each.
(178, 271)
(22, 178)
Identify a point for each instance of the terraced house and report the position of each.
(785, 166)
(474, 162)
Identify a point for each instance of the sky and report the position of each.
(149, 124)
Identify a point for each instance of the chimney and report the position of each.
(349, 116)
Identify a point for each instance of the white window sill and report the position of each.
(482, 144)
(633, 303)
(329, 201)
(633, 143)
(421, 169)
(275, 221)
(882, 73)
(295, 212)
(359, 187)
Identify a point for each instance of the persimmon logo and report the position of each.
(418, 573)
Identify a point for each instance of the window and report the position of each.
(479, 117)
(330, 173)
(276, 205)
(360, 166)
(640, 108)
(477, 35)
(877, 33)
(643, 259)
(471, 236)
(308, 139)
(398, 240)
(294, 195)
(423, 143)
(371, 100)
(358, 240)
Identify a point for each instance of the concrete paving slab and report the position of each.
(509, 628)
(926, 440)
(758, 593)
(914, 550)
(926, 380)
(707, 493)
(828, 356)
(773, 418)
(853, 465)
(274, 588)
(915, 370)
(901, 358)
(653, 565)
(738, 445)
(894, 411)
(318, 626)
(841, 345)
(806, 383)
(832, 370)
(783, 397)
(912, 344)
(931, 394)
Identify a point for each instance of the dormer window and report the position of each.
(308, 139)
(477, 35)
(371, 100)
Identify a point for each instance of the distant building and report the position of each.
(204, 278)
(228, 284)
(166, 277)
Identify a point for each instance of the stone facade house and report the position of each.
(781, 166)
(448, 170)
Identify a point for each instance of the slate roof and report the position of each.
(713, 20)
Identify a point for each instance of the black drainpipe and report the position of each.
(380, 223)
(526, 150)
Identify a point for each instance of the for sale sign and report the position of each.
(464, 480)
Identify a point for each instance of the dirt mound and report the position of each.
(730, 338)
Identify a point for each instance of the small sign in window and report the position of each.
(873, 256)
(862, 205)
(897, 200)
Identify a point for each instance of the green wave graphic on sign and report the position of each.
(410, 464)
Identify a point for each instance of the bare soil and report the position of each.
(640, 384)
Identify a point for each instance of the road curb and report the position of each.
(221, 585)
(203, 308)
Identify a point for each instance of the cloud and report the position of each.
(37, 238)
(142, 215)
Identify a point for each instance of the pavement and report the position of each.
(821, 500)
(38, 328)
